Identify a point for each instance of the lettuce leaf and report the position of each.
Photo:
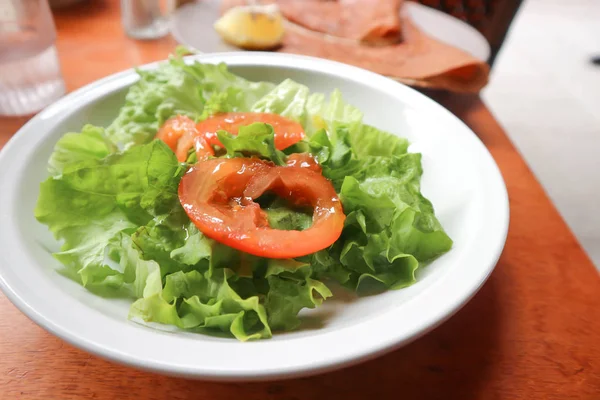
(94, 200)
(178, 88)
(287, 99)
(390, 227)
(370, 141)
(195, 300)
(257, 139)
(314, 111)
(73, 148)
(290, 290)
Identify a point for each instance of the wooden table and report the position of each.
(532, 332)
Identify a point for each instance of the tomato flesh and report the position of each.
(303, 160)
(181, 134)
(218, 195)
(191, 139)
(174, 129)
(287, 132)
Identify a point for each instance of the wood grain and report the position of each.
(532, 332)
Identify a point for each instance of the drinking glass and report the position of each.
(30, 76)
(146, 19)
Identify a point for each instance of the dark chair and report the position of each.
(490, 17)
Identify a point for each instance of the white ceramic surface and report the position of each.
(192, 25)
(460, 178)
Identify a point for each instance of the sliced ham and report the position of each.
(373, 23)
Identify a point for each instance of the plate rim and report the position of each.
(419, 9)
(123, 79)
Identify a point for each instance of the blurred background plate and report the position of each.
(192, 25)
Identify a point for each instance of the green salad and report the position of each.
(114, 199)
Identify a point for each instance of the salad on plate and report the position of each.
(217, 204)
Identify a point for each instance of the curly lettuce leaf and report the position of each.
(335, 157)
(314, 111)
(257, 139)
(291, 289)
(141, 277)
(331, 114)
(287, 99)
(94, 200)
(195, 300)
(179, 88)
(370, 141)
(174, 242)
(390, 227)
(72, 148)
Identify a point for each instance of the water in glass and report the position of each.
(30, 76)
(146, 19)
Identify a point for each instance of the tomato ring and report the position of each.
(218, 195)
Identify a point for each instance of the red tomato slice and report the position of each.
(218, 196)
(191, 139)
(287, 132)
(174, 129)
(180, 134)
(303, 160)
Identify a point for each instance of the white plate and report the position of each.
(460, 178)
(192, 25)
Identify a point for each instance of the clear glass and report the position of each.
(30, 77)
(146, 19)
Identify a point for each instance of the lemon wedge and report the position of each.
(253, 27)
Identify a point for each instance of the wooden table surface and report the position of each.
(532, 332)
